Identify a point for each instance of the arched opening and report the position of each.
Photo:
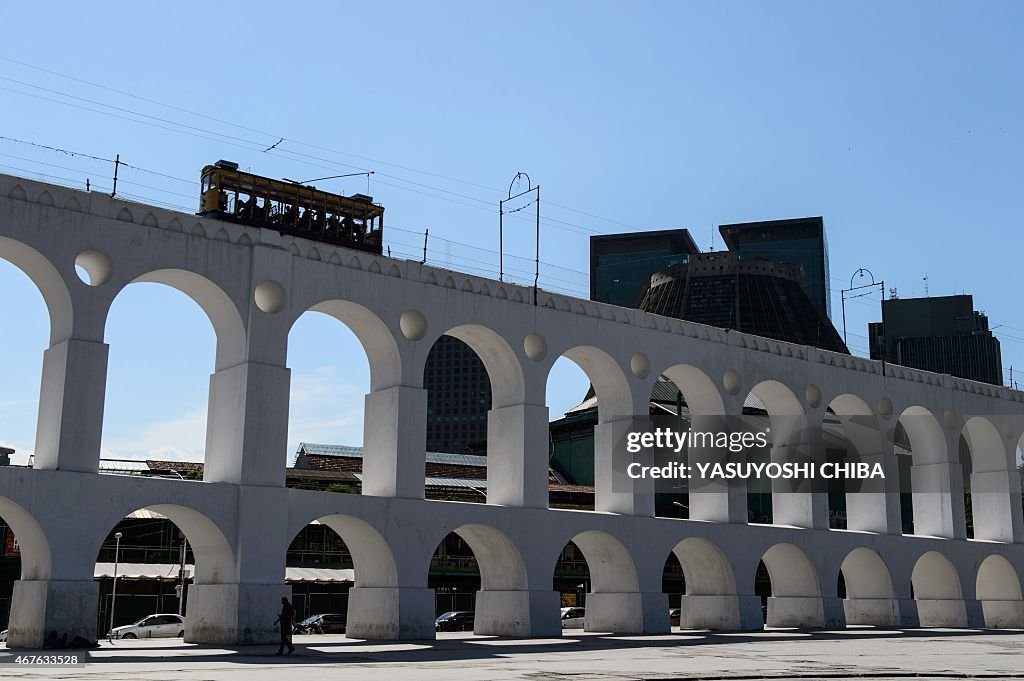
(773, 409)
(793, 597)
(336, 370)
(608, 590)
(865, 586)
(991, 483)
(26, 309)
(150, 567)
(476, 434)
(701, 585)
(998, 589)
(572, 405)
(26, 556)
(684, 398)
(479, 582)
(918, 438)
(158, 388)
(850, 435)
(936, 588)
(330, 563)
(582, 441)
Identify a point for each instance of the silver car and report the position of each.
(152, 626)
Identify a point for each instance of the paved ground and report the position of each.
(853, 653)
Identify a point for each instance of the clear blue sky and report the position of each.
(900, 123)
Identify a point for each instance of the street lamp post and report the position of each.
(113, 590)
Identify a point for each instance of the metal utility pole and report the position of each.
(842, 294)
(117, 163)
(181, 576)
(501, 228)
(113, 590)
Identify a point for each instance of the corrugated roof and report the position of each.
(357, 453)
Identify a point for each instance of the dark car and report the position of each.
(674, 616)
(455, 620)
(330, 623)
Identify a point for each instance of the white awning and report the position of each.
(169, 571)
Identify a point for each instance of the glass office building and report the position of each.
(799, 241)
(622, 264)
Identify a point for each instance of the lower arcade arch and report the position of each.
(936, 588)
(707, 597)
(865, 585)
(183, 571)
(998, 589)
(788, 585)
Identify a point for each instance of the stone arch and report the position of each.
(781, 502)
(374, 604)
(613, 602)
(796, 593)
(612, 569)
(36, 559)
(215, 557)
(988, 452)
(374, 335)
(927, 442)
(214, 561)
(936, 587)
(373, 560)
(501, 564)
(699, 390)
(994, 483)
(614, 396)
(861, 438)
(48, 280)
(218, 306)
(28, 611)
(500, 360)
(998, 589)
(710, 601)
(870, 598)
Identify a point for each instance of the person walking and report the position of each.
(285, 620)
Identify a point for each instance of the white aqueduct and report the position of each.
(253, 284)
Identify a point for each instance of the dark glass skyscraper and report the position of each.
(458, 398)
(800, 241)
(622, 264)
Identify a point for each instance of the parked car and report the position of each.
(455, 620)
(152, 626)
(328, 623)
(674, 617)
(3, 636)
(572, 618)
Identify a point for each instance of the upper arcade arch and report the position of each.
(373, 334)
(48, 280)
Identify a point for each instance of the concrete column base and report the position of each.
(751, 614)
(879, 612)
(801, 612)
(832, 612)
(234, 614)
(390, 613)
(718, 613)
(907, 611)
(1003, 614)
(627, 613)
(941, 612)
(40, 606)
(517, 613)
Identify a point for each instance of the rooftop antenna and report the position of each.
(712, 247)
(925, 284)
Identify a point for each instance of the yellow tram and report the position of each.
(355, 221)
